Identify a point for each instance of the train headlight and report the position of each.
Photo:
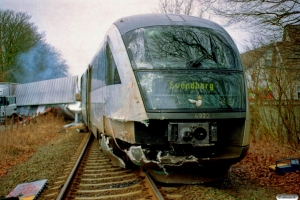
(200, 133)
(186, 134)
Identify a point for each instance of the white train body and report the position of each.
(168, 91)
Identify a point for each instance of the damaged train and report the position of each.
(167, 92)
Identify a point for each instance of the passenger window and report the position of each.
(112, 74)
(102, 63)
(95, 82)
(98, 67)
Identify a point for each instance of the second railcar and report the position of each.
(167, 92)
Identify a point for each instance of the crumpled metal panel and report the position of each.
(116, 161)
(54, 91)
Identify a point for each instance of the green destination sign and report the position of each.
(192, 85)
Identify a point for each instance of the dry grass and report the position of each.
(46, 152)
(18, 140)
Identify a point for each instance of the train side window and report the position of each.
(102, 66)
(95, 82)
(112, 74)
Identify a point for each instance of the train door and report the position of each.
(88, 95)
(83, 97)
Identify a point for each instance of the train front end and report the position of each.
(193, 88)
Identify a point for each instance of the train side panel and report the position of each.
(94, 92)
(124, 102)
(115, 99)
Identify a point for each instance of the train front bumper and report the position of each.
(188, 169)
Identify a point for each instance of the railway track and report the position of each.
(94, 177)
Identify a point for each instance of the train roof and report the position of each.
(130, 23)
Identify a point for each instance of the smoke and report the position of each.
(40, 63)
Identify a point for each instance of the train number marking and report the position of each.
(202, 115)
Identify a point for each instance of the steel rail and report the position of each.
(154, 190)
(66, 187)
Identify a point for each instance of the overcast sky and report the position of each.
(77, 27)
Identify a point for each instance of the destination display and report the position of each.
(192, 90)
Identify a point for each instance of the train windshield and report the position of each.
(192, 90)
(186, 68)
(179, 47)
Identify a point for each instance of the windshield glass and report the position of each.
(192, 90)
(179, 47)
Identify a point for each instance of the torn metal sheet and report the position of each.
(116, 161)
(177, 170)
(137, 155)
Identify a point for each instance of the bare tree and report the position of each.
(266, 17)
(186, 7)
(175, 6)
(17, 35)
(272, 71)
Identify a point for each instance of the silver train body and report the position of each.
(168, 93)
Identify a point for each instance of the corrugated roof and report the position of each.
(54, 91)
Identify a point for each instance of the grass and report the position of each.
(18, 140)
